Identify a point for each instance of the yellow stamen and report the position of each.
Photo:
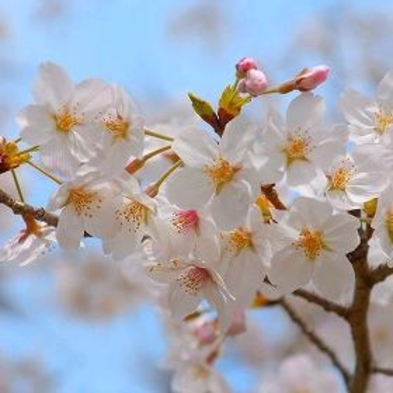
(82, 200)
(298, 147)
(117, 127)
(239, 239)
(383, 120)
(221, 173)
(311, 243)
(66, 120)
(133, 212)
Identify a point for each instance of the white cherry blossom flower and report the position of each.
(189, 231)
(30, 244)
(245, 251)
(370, 119)
(61, 120)
(191, 281)
(301, 146)
(355, 178)
(221, 173)
(123, 132)
(87, 204)
(134, 213)
(313, 248)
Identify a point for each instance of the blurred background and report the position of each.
(83, 323)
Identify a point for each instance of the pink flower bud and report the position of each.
(255, 83)
(310, 78)
(244, 65)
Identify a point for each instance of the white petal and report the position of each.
(189, 188)
(230, 206)
(309, 212)
(305, 111)
(53, 86)
(36, 124)
(70, 229)
(235, 143)
(333, 275)
(195, 147)
(385, 90)
(180, 302)
(340, 232)
(290, 270)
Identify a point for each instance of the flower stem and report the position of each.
(168, 173)
(155, 153)
(29, 150)
(17, 140)
(17, 185)
(158, 135)
(44, 172)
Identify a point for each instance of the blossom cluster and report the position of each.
(235, 215)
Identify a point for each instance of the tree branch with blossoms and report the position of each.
(212, 225)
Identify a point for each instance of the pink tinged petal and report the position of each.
(189, 188)
(305, 111)
(385, 90)
(290, 270)
(229, 208)
(195, 147)
(341, 233)
(53, 86)
(36, 123)
(70, 229)
(333, 275)
(165, 273)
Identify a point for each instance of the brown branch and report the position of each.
(327, 305)
(20, 208)
(385, 371)
(380, 273)
(357, 318)
(316, 340)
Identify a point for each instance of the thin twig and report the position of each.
(385, 371)
(21, 208)
(316, 340)
(327, 305)
(380, 273)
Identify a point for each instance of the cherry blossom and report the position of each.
(87, 205)
(61, 120)
(220, 173)
(369, 119)
(30, 244)
(313, 248)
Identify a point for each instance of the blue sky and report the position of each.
(127, 42)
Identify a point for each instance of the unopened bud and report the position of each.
(255, 83)
(310, 78)
(244, 65)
